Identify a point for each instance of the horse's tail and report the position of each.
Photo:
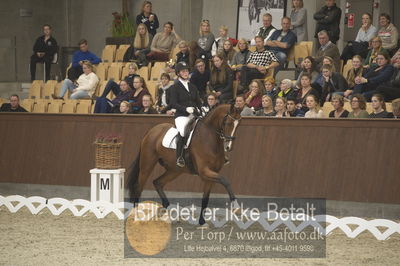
(133, 180)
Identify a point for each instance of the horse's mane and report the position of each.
(220, 108)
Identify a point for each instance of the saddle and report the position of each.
(169, 141)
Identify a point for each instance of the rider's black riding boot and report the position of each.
(180, 161)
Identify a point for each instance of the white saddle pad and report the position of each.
(169, 138)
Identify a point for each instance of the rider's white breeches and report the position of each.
(180, 123)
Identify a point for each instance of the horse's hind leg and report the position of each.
(161, 181)
(147, 162)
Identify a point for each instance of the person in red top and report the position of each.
(254, 96)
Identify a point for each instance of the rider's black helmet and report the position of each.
(181, 66)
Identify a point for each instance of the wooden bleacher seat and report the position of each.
(101, 71)
(40, 106)
(69, 107)
(300, 52)
(108, 54)
(310, 46)
(35, 91)
(2, 100)
(84, 107)
(92, 108)
(114, 72)
(49, 89)
(157, 70)
(119, 55)
(27, 104)
(174, 52)
(152, 87)
(144, 73)
(55, 106)
(125, 71)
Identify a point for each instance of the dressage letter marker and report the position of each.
(107, 185)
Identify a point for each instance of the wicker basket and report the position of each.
(108, 155)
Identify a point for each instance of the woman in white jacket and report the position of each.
(84, 87)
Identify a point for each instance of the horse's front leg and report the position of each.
(204, 201)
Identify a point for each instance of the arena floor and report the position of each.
(45, 239)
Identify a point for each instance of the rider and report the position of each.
(184, 97)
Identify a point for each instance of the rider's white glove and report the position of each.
(190, 110)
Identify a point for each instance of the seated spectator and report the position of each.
(356, 71)
(125, 108)
(308, 66)
(327, 48)
(298, 17)
(292, 110)
(370, 60)
(163, 43)
(375, 76)
(147, 106)
(84, 87)
(139, 89)
(281, 41)
(241, 57)
(206, 39)
(314, 110)
(266, 30)
(219, 42)
(379, 107)
(267, 107)
(115, 87)
(388, 33)
(328, 19)
(13, 106)
(338, 105)
(195, 52)
(221, 79)
(210, 104)
(241, 104)
(78, 58)
(396, 58)
(140, 46)
(44, 50)
(228, 52)
(305, 90)
(285, 89)
(183, 54)
(200, 77)
(104, 105)
(258, 64)
(333, 83)
(391, 90)
(396, 108)
(162, 96)
(280, 107)
(148, 18)
(358, 105)
(254, 95)
(365, 35)
(319, 81)
(270, 89)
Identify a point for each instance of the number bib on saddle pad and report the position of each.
(169, 137)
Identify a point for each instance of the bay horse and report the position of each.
(213, 136)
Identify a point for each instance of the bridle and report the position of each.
(221, 131)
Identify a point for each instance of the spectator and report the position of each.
(280, 107)
(376, 44)
(358, 105)
(388, 33)
(105, 105)
(270, 89)
(84, 87)
(253, 97)
(328, 19)
(396, 108)
(195, 52)
(396, 58)
(241, 57)
(228, 52)
(333, 83)
(308, 66)
(291, 108)
(44, 50)
(139, 89)
(298, 17)
(206, 38)
(305, 90)
(210, 104)
(375, 76)
(314, 110)
(148, 18)
(125, 108)
(266, 31)
(147, 106)
(200, 77)
(162, 96)
(163, 43)
(219, 42)
(356, 71)
(281, 41)
(115, 87)
(13, 106)
(221, 81)
(327, 49)
(267, 107)
(391, 91)
(258, 64)
(379, 108)
(338, 105)
(79, 57)
(241, 104)
(183, 54)
(285, 89)
(140, 46)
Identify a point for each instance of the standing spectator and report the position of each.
(365, 35)
(241, 104)
(281, 41)
(105, 105)
(388, 33)
(206, 38)
(148, 18)
(308, 66)
(379, 107)
(254, 95)
(266, 30)
(139, 89)
(79, 57)
(338, 105)
(13, 106)
(162, 96)
(200, 77)
(267, 107)
(44, 50)
(280, 107)
(327, 48)
(228, 52)
(291, 108)
(258, 64)
(358, 105)
(299, 20)
(328, 19)
(314, 110)
(140, 46)
(356, 71)
(221, 81)
(147, 106)
(163, 43)
(219, 42)
(370, 60)
(391, 91)
(396, 108)
(241, 57)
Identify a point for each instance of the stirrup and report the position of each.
(180, 162)
(226, 160)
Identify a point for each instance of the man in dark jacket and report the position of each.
(184, 98)
(13, 106)
(328, 18)
(200, 77)
(43, 51)
(391, 91)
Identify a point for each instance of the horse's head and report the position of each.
(230, 122)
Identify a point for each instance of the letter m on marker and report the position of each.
(104, 184)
